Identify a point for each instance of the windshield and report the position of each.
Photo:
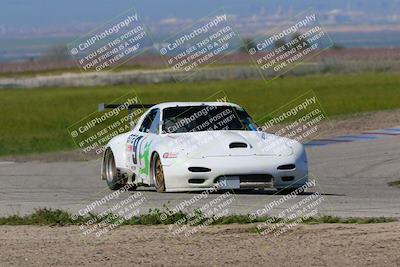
(206, 118)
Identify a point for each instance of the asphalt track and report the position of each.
(352, 178)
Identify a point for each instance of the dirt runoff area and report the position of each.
(306, 245)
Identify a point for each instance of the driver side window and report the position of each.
(148, 121)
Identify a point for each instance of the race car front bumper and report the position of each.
(235, 172)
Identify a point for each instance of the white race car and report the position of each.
(188, 146)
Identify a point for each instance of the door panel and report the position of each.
(139, 146)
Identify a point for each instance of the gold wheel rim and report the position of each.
(159, 174)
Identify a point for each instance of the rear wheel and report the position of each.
(158, 173)
(114, 180)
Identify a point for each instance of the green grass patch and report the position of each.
(73, 69)
(349, 220)
(395, 184)
(154, 217)
(34, 121)
(43, 217)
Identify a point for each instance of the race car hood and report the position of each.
(230, 143)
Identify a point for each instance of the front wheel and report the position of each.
(158, 173)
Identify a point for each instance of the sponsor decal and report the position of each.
(145, 156)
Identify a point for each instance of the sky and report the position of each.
(58, 12)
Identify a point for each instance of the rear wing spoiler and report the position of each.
(130, 108)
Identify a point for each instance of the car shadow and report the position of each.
(276, 192)
(266, 192)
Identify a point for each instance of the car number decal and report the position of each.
(133, 146)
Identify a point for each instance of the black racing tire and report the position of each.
(158, 173)
(110, 172)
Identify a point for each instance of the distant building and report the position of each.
(337, 16)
